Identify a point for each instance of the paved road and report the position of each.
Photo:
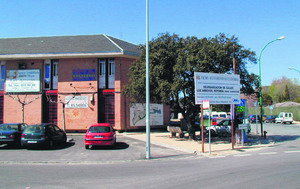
(126, 149)
(273, 167)
(257, 170)
(278, 129)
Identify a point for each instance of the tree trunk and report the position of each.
(187, 126)
(23, 113)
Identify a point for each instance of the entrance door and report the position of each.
(106, 107)
(50, 108)
(1, 107)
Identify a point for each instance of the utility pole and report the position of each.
(147, 85)
(232, 107)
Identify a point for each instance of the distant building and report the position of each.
(73, 81)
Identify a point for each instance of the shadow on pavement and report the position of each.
(117, 146)
(56, 147)
(256, 139)
(251, 139)
(173, 156)
(283, 138)
(9, 147)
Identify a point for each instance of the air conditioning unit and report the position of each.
(22, 66)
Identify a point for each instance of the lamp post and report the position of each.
(290, 68)
(148, 153)
(260, 85)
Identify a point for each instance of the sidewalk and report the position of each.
(218, 148)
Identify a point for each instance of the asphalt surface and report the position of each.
(126, 149)
(274, 168)
(72, 166)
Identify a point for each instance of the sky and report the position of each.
(254, 22)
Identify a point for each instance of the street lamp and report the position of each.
(260, 85)
(294, 69)
(148, 153)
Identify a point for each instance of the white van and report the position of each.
(219, 115)
(284, 117)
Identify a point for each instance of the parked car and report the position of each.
(284, 117)
(270, 119)
(254, 118)
(221, 129)
(45, 134)
(10, 133)
(100, 134)
(216, 121)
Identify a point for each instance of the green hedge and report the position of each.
(267, 111)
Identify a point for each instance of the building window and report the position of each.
(2, 75)
(111, 76)
(54, 66)
(47, 76)
(106, 73)
(50, 74)
(111, 67)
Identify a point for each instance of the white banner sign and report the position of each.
(217, 88)
(138, 114)
(77, 101)
(22, 81)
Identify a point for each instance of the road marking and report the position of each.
(242, 155)
(268, 153)
(288, 152)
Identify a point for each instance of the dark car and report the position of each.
(254, 118)
(44, 135)
(10, 133)
(270, 119)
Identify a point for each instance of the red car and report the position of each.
(100, 134)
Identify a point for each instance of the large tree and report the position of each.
(173, 61)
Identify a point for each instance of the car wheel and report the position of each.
(87, 147)
(17, 144)
(50, 144)
(64, 141)
(212, 133)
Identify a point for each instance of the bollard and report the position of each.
(265, 134)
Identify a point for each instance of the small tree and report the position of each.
(23, 103)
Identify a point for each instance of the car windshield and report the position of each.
(34, 129)
(8, 127)
(99, 129)
(224, 123)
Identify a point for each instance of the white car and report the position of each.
(221, 129)
(284, 117)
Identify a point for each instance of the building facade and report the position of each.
(73, 81)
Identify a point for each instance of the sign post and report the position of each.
(206, 106)
(217, 89)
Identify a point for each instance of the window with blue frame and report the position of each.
(2, 76)
(47, 76)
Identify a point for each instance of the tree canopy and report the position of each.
(282, 90)
(173, 61)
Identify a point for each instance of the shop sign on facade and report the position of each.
(138, 114)
(22, 81)
(84, 75)
(77, 102)
(217, 88)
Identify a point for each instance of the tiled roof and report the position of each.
(80, 44)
